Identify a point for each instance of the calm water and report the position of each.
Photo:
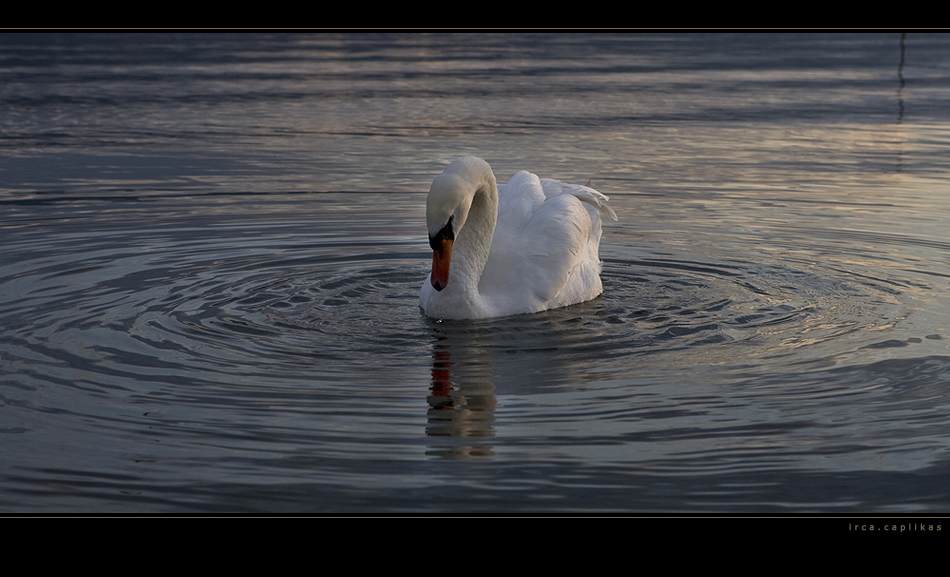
(212, 248)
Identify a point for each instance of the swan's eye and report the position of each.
(445, 234)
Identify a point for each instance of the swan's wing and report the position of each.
(586, 194)
(518, 200)
(538, 241)
(525, 193)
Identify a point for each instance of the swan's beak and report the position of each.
(440, 264)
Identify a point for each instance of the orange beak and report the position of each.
(440, 264)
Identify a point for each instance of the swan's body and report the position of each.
(523, 247)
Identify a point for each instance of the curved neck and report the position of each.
(473, 244)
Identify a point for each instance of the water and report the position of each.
(213, 246)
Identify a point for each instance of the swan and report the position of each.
(523, 247)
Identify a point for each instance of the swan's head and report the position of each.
(448, 206)
(446, 211)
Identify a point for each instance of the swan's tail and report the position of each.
(584, 193)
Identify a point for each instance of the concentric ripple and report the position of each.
(776, 309)
(191, 300)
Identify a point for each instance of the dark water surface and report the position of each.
(213, 247)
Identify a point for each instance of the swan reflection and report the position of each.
(473, 363)
(462, 396)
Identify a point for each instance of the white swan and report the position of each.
(522, 247)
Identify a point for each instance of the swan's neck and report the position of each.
(471, 249)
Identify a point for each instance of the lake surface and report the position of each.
(212, 249)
